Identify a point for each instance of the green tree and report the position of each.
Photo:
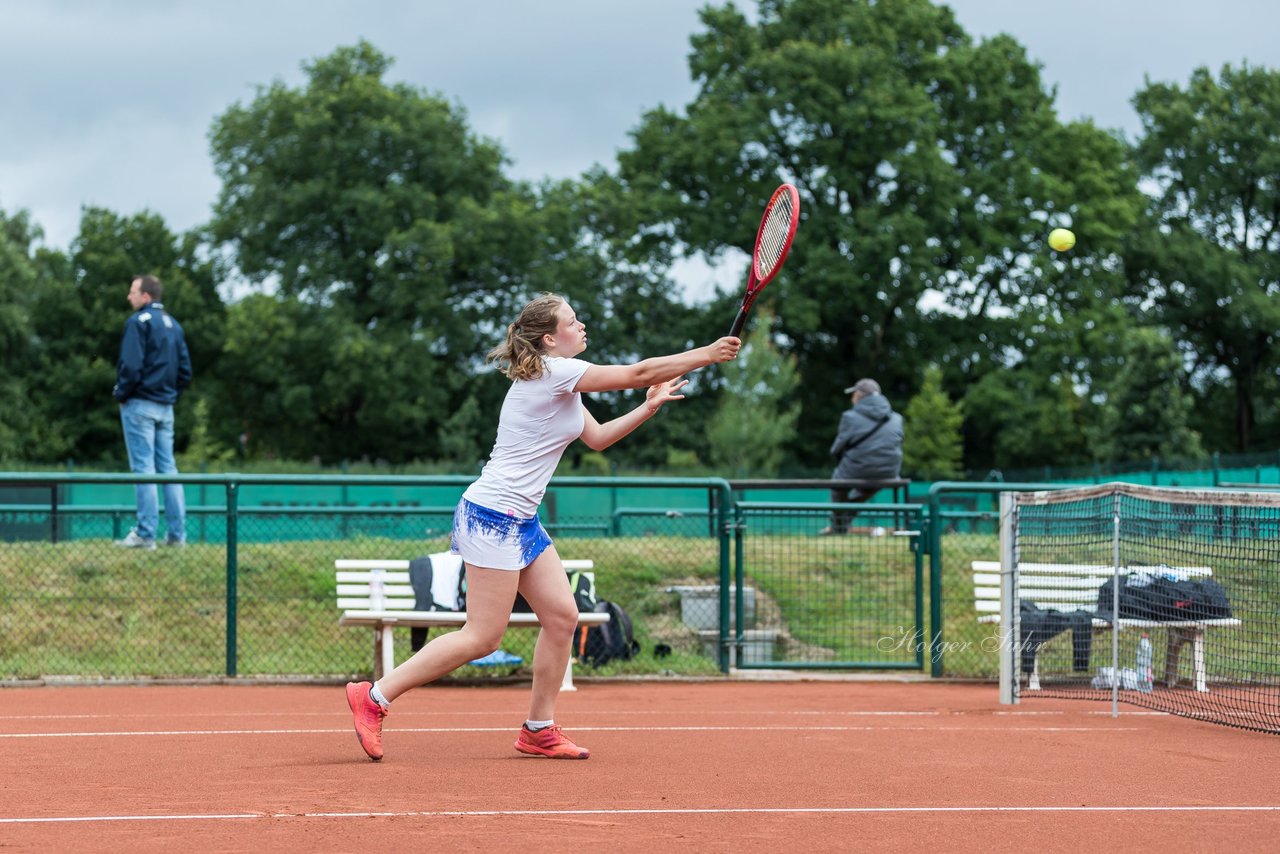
(756, 417)
(1210, 264)
(930, 168)
(79, 314)
(379, 217)
(1033, 417)
(461, 432)
(19, 279)
(202, 447)
(1148, 405)
(934, 446)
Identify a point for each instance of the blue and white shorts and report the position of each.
(487, 538)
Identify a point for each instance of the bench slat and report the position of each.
(429, 619)
(363, 564)
(390, 603)
(1037, 596)
(1143, 624)
(1090, 570)
(364, 576)
(387, 590)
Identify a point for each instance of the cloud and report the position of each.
(116, 98)
(119, 97)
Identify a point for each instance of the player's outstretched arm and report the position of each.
(651, 372)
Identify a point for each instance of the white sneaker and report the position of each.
(173, 543)
(133, 541)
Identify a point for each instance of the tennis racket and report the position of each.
(773, 242)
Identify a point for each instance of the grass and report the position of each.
(86, 609)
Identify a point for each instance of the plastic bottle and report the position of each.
(1145, 677)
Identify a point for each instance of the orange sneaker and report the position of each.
(549, 742)
(368, 718)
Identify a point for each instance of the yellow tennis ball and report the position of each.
(1062, 239)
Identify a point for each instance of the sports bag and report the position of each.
(439, 584)
(1136, 600)
(611, 641)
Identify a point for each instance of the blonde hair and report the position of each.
(520, 355)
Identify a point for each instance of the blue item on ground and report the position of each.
(498, 658)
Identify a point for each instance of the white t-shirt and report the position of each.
(539, 419)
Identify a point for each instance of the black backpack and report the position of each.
(609, 641)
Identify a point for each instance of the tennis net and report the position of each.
(1163, 598)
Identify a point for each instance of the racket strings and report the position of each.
(773, 237)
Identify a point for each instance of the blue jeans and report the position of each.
(148, 435)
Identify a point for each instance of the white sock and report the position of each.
(376, 696)
(534, 726)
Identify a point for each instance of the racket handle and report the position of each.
(740, 321)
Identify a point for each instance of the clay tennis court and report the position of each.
(684, 766)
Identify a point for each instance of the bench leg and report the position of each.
(567, 684)
(1197, 659)
(388, 652)
(1033, 681)
(1178, 638)
(1172, 653)
(384, 655)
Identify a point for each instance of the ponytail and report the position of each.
(519, 356)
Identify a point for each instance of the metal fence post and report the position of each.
(726, 573)
(232, 574)
(935, 581)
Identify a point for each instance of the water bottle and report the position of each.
(1145, 680)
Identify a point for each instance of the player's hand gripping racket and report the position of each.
(773, 242)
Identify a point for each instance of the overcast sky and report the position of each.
(110, 103)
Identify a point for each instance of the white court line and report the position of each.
(463, 713)
(1007, 729)
(616, 713)
(627, 812)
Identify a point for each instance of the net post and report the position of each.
(1115, 605)
(1009, 641)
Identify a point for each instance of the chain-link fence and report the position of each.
(253, 592)
(827, 586)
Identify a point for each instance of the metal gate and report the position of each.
(805, 598)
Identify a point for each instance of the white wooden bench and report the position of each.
(1072, 587)
(378, 593)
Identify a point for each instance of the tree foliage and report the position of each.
(757, 416)
(19, 274)
(1148, 407)
(1210, 265)
(78, 316)
(371, 248)
(930, 170)
(933, 448)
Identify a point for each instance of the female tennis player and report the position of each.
(496, 529)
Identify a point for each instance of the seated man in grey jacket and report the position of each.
(868, 446)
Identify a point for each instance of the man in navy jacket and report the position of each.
(153, 370)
